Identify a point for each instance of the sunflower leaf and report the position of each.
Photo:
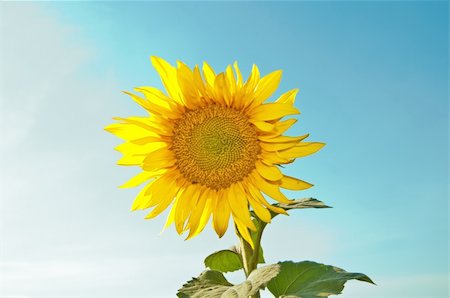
(303, 204)
(228, 260)
(311, 280)
(224, 261)
(212, 284)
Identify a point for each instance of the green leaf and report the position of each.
(228, 260)
(302, 204)
(212, 284)
(224, 261)
(210, 281)
(311, 280)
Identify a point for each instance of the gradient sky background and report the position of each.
(374, 87)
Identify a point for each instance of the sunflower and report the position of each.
(211, 147)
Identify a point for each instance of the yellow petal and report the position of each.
(230, 79)
(141, 101)
(209, 74)
(272, 190)
(266, 87)
(210, 202)
(256, 195)
(253, 80)
(171, 217)
(186, 202)
(221, 215)
(187, 86)
(143, 199)
(149, 139)
(238, 74)
(240, 94)
(288, 97)
(272, 111)
(131, 148)
(293, 183)
(143, 122)
(161, 158)
(237, 200)
(230, 83)
(164, 196)
(301, 150)
(243, 231)
(130, 132)
(168, 75)
(131, 160)
(281, 139)
(273, 158)
(282, 126)
(141, 178)
(155, 192)
(198, 225)
(157, 97)
(158, 164)
(271, 173)
(260, 211)
(219, 89)
(151, 107)
(198, 82)
(277, 146)
(264, 126)
(157, 102)
(196, 214)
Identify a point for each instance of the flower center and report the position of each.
(215, 146)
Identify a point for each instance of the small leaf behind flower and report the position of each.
(224, 261)
(228, 260)
(311, 280)
(302, 204)
(212, 284)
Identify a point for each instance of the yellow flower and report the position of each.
(211, 146)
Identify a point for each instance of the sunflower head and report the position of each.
(211, 147)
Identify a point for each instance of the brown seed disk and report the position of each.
(215, 146)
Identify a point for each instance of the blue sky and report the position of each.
(373, 79)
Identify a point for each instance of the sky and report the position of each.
(373, 79)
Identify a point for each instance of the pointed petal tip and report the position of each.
(321, 145)
(221, 234)
(154, 58)
(279, 72)
(253, 228)
(190, 236)
(106, 128)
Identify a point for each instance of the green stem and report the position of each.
(246, 253)
(250, 256)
